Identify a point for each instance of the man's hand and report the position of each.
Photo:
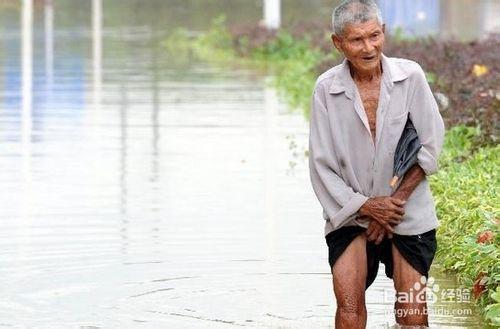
(376, 232)
(385, 210)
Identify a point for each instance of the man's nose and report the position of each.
(367, 45)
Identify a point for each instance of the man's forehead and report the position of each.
(362, 28)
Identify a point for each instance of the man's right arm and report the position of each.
(338, 199)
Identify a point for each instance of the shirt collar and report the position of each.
(343, 82)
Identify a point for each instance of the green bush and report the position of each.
(466, 193)
(293, 62)
(493, 310)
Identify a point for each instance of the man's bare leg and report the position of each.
(349, 280)
(411, 313)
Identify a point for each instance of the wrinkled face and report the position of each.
(362, 44)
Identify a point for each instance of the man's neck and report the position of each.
(366, 76)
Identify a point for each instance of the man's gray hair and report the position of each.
(354, 11)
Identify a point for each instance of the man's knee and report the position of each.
(349, 279)
(351, 313)
(411, 315)
(351, 303)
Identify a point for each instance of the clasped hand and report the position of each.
(384, 213)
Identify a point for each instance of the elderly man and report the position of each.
(359, 110)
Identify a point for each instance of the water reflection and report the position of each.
(49, 43)
(151, 193)
(26, 107)
(97, 51)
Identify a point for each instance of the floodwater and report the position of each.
(142, 189)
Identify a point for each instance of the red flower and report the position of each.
(479, 285)
(485, 237)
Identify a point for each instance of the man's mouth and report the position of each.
(369, 58)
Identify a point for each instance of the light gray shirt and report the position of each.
(347, 167)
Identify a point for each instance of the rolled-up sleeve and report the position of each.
(339, 201)
(424, 113)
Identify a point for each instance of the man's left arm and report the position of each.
(410, 181)
(424, 114)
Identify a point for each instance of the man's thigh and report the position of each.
(410, 291)
(349, 274)
(405, 276)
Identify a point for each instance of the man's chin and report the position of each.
(372, 65)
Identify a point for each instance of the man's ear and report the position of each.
(383, 28)
(337, 42)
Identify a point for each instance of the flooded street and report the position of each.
(142, 189)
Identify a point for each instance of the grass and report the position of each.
(466, 194)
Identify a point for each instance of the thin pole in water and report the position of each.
(97, 50)
(272, 14)
(27, 101)
(49, 43)
(27, 63)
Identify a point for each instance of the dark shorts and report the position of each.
(418, 250)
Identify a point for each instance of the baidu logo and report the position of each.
(424, 290)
